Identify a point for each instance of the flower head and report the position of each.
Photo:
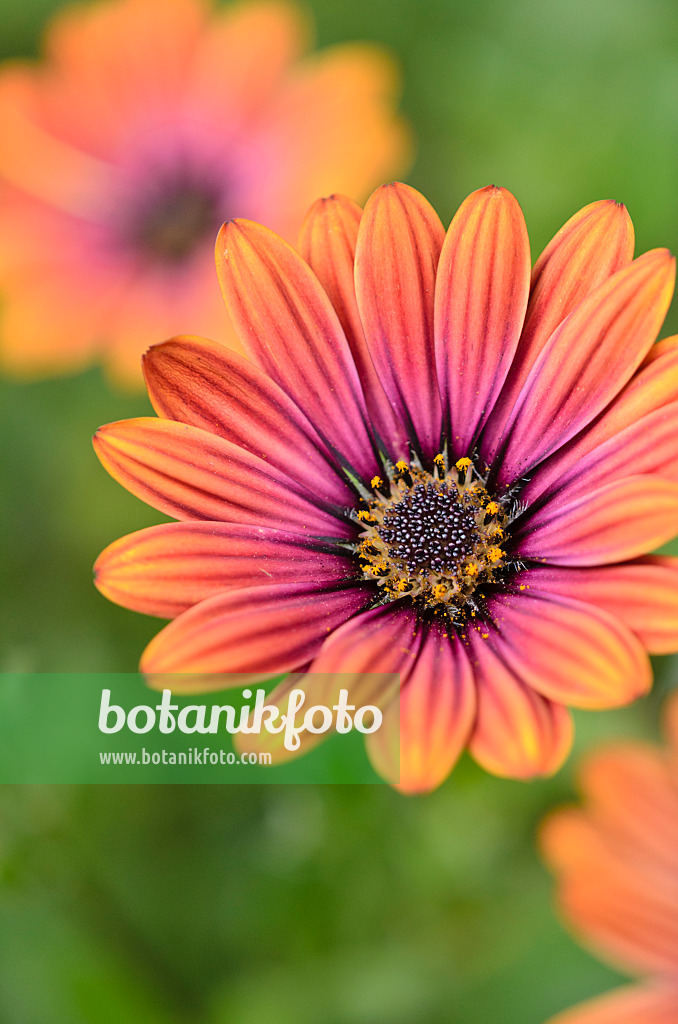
(434, 464)
(617, 865)
(150, 123)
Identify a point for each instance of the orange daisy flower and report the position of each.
(435, 464)
(617, 865)
(149, 124)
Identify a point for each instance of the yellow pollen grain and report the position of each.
(439, 460)
(376, 481)
(492, 508)
(463, 463)
(471, 570)
(401, 585)
(485, 636)
(401, 466)
(365, 515)
(439, 591)
(494, 554)
(522, 586)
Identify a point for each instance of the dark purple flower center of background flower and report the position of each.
(429, 530)
(175, 219)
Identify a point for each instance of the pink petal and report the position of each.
(643, 594)
(287, 323)
(397, 253)
(424, 732)
(207, 385)
(190, 474)
(259, 631)
(568, 650)
(653, 387)
(164, 570)
(594, 243)
(620, 520)
(518, 733)
(328, 243)
(481, 296)
(587, 361)
(650, 1003)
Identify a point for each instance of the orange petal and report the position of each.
(518, 733)
(202, 383)
(286, 321)
(397, 253)
(165, 570)
(587, 361)
(425, 730)
(593, 244)
(643, 594)
(621, 520)
(190, 474)
(260, 631)
(482, 287)
(624, 906)
(569, 651)
(652, 1003)
(328, 242)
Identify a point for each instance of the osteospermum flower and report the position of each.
(149, 124)
(617, 865)
(434, 464)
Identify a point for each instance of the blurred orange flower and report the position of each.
(617, 865)
(149, 124)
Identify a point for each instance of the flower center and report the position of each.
(435, 537)
(176, 217)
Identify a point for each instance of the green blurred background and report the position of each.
(347, 905)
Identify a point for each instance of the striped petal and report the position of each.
(259, 631)
(328, 242)
(621, 520)
(518, 733)
(482, 289)
(196, 381)
(397, 253)
(587, 361)
(643, 594)
(189, 474)
(655, 1003)
(425, 730)
(569, 651)
(594, 243)
(287, 323)
(654, 387)
(165, 570)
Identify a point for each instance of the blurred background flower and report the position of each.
(616, 862)
(148, 124)
(227, 905)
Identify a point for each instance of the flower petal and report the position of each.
(643, 594)
(425, 730)
(625, 904)
(567, 650)
(397, 253)
(593, 244)
(165, 570)
(482, 287)
(621, 520)
(287, 323)
(587, 361)
(190, 474)
(328, 242)
(200, 382)
(651, 1003)
(518, 733)
(261, 631)
(651, 390)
